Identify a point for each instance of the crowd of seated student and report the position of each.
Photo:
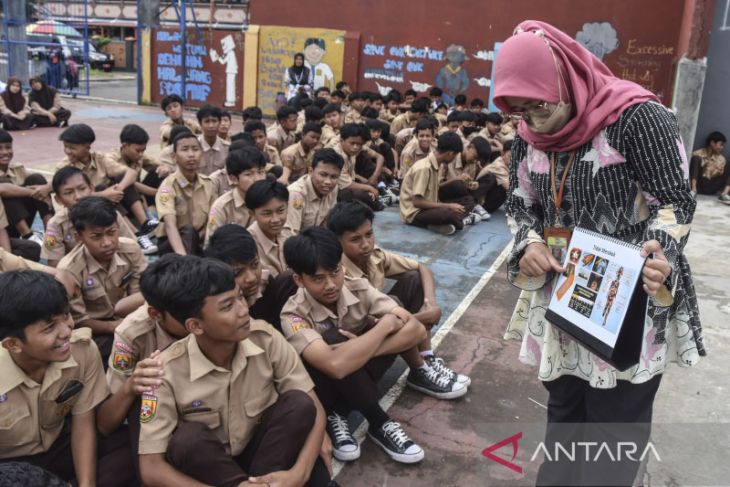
(265, 237)
(41, 108)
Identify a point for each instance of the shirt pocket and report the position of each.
(211, 419)
(16, 428)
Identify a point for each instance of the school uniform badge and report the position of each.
(50, 242)
(298, 323)
(297, 201)
(148, 408)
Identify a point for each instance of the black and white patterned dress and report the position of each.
(630, 182)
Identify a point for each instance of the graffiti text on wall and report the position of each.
(399, 60)
(169, 68)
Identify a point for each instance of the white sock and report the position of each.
(425, 366)
(426, 353)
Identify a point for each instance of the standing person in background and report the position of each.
(571, 106)
(298, 77)
(14, 109)
(45, 105)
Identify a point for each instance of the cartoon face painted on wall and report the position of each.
(314, 51)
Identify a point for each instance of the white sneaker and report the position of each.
(146, 245)
(37, 237)
(471, 219)
(484, 214)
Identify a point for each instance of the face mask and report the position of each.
(552, 121)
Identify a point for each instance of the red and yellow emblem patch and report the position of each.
(148, 408)
(123, 361)
(297, 201)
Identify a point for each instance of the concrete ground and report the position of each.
(692, 411)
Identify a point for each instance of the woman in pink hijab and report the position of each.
(602, 154)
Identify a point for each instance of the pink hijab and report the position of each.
(525, 68)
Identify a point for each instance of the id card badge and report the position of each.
(557, 240)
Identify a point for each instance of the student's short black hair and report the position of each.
(177, 130)
(312, 127)
(253, 125)
(467, 116)
(313, 248)
(134, 134)
(261, 192)
(507, 146)
(93, 211)
(244, 159)
(494, 118)
(225, 114)
(198, 280)
(340, 84)
(331, 107)
(410, 92)
(449, 142)
(375, 124)
(481, 119)
(312, 114)
(66, 173)
(161, 280)
(338, 94)
(394, 95)
(241, 139)
(435, 91)
(27, 297)
(5, 137)
(330, 156)
(13, 474)
(171, 99)
(483, 148)
(370, 112)
(441, 105)
(420, 105)
(284, 112)
(304, 101)
(453, 117)
(424, 124)
(232, 244)
(252, 113)
(372, 96)
(477, 102)
(353, 130)
(716, 137)
(347, 216)
(183, 136)
(320, 90)
(320, 103)
(357, 95)
(460, 99)
(207, 111)
(78, 133)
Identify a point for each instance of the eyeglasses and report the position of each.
(538, 109)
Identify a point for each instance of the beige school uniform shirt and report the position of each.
(165, 157)
(32, 414)
(221, 183)
(500, 170)
(401, 122)
(189, 201)
(101, 289)
(386, 116)
(147, 163)
(360, 305)
(229, 208)
(330, 137)
(10, 262)
(60, 238)
(168, 125)
(411, 153)
(100, 170)
(271, 254)
(230, 403)
(422, 180)
(297, 160)
(347, 176)
(279, 138)
(3, 216)
(16, 173)
(380, 265)
(136, 337)
(306, 207)
(353, 116)
(271, 155)
(214, 156)
(456, 168)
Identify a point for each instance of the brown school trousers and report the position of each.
(454, 192)
(704, 185)
(190, 239)
(268, 307)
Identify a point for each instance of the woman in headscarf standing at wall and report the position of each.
(602, 154)
(298, 77)
(45, 104)
(14, 109)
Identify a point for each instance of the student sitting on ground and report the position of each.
(53, 380)
(230, 370)
(14, 109)
(165, 156)
(332, 125)
(26, 248)
(409, 119)
(10, 262)
(297, 159)
(492, 131)
(709, 170)
(476, 105)
(219, 178)
(70, 185)
(348, 334)
(283, 133)
(357, 103)
(390, 110)
(378, 144)
(244, 167)
(419, 147)
(462, 176)
(312, 196)
(174, 109)
(251, 113)
(224, 128)
(23, 195)
(268, 201)
(214, 148)
(362, 169)
(414, 286)
(131, 153)
(494, 179)
(45, 105)
(105, 267)
(257, 130)
(184, 200)
(420, 201)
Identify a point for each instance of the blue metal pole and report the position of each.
(87, 64)
(184, 32)
(139, 56)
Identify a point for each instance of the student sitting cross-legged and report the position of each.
(414, 288)
(51, 382)
(268, 201)
(234, 402)
(348, 334)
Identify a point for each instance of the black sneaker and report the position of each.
(432, 383)
(439, 365)
(344, 446)
(148, 227)
(395, 442)
(148, 247)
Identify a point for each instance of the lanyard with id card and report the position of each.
(558, 237)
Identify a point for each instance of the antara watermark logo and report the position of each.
(588, 451)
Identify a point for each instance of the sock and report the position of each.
(375, 416)
(424, 366)
(426, 353)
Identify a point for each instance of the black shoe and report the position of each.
(344, 446)
(148, 227)
(395, 442)
(438, 364)
(430, 382)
